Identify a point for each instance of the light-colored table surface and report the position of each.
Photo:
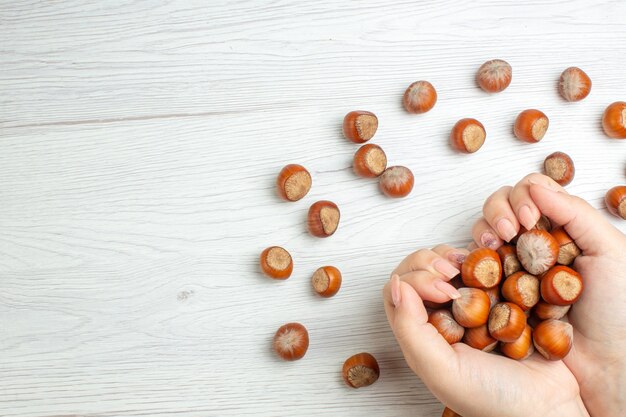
(139, 146)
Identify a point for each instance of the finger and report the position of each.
(523, 204)
(484, 235)
(472, 246)
(456, 256)
(590, 230)
(430, 287)
(498, 213)
(427, 260)
(421, 344)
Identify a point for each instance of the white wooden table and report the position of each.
(140, 141)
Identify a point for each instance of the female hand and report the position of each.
(597, 358)
(470, 381)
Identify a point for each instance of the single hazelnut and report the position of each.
(614, 120)
(360, 126)
(568, 249)
(326, 281)
(360, 370)
(494, 76)
(472, 308)
(545, 311)
(560, 167)
(537, 251)
(419, 97)
(506, 322)
(293, 182)
(369, 161)
(531, 125)
(494, 296)
(508, 256)
(396, 181)
(479, 338)
(276, 262)
(615, 200)
(522, 347)
(445, 324)
(522, 289)
(291, 341)
(553, 339)
(574, 84)
(323, 218)
(561, 286)
(481, 269)
(468, 135)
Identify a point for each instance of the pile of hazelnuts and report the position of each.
(513, 299)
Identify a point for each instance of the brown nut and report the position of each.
(396, 182)
(369, 161)
(479, 338)
(561, 286)
(481, 269)
(560, 167)
(531, 125)
(506, 322)
(293, 182)
(291, 341)
(537, 251)
(545, 311)
(574, 84)
(360, 126)
(326, 281)
(510, 263)
(553, 339)
(276, 262)
(468, 135)
(360, 370)
(323, 218)
(445, 324)
(615, 200)
(521, 348)
(419, 97)
(472, 308)
(522, 289)
(614, 120)
(568, 250)
(494, 76)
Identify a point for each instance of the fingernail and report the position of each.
(395, 290)
(526, 217)
(447, 289)
(549, 186)
(488, 240)
(506, 229)
(445, 268)
(457, 257)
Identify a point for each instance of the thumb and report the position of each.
(590, 230)
(424, 349)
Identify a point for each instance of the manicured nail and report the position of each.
(457, 257)
(395, 290)
(548, 186)
(447, 289)
(488, 240)
(445, 268)
(506, 229)
(527, 218)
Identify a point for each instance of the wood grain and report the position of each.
(139, 145)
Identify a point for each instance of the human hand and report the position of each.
(597, 358)
(470, 381)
